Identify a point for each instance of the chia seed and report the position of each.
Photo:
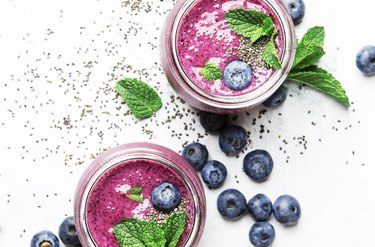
(252, 52)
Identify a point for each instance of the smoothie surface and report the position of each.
(203, 36)
(108, 204)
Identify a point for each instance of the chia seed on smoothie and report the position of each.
(203, 36)
(108, 204)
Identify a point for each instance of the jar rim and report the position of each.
(261, 93)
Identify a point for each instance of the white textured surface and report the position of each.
(58, 109)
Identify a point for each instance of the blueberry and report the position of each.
(196, 154)
(296, 9)
(214, 173)
(68, 234)
(213, 122)
(232, 139)
(261, 234)
(365, 60)
(231, 204)
(44, 239)
(165, 197)
(260, 207)
(258, 165)
(237, 75)
(286, 210)
(277, 98)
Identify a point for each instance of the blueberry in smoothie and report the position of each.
(237, 75)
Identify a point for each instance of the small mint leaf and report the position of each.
(154, 235)
(129, 232)
(141, 99)
(268, 27)
(211, 72)
(174, 227)
(135, 197)
(269, 54)
(136, 190)
(321, 80)
(251, 24)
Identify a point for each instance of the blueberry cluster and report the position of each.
(257, 165)
(232, 205)
(67, 234)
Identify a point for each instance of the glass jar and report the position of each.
(99, 201)
(195, 32)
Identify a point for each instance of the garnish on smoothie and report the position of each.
(211, 72)
(304, 71)
(135, 194)
(135, 232)
(253, 24)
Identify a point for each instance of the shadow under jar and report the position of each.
(101, 199)
(196, 32)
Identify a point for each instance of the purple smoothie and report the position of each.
(203, 36)
(108, 204)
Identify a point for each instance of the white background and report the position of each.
(59, 61)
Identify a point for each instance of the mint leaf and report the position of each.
(174, 227)
(135, 197)
(310, 49)
(251, 24)
(321, 80)
(153, 235)
(141, 99)
(314, 36)
(211, 72)
(136, 190)
(129, 233)
(269, 54)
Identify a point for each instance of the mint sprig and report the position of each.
(211, 72)
(135, 194)
(308, 52)
(253, 24)
(137, 233)
(141, 99)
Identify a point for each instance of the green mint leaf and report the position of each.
(310, 49)
(135, 197)
(136, 190)
(154, 235)
(129, 232)
(269, 54)
(211, 72)
(174, 227)
(141, 99)
(251, 24)
(321, 80)
(314, 36)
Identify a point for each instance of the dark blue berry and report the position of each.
(196, 154)
(296, 9)
(365, 60)
(286, 210)
(277, 98)
(68, 234)
(165, 197)
(232, 139)
(260, 207)
(237, 75)
(258, 165)
(261, 234)
(214, 173)
(44, 238)
(213, 122)
(231, 204)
